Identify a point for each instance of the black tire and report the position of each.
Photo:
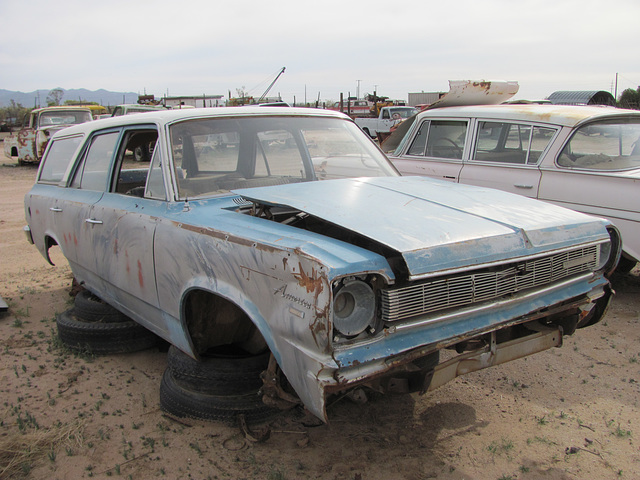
(625, 265)
(218, 374)
(103, 338)
(90, 308)
(182, 402)
(141, 153)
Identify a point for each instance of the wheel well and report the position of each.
(48, 243)
(214, 321)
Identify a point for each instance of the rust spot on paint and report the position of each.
(37, 212)
(75, 240)
(140, 276)
(126, 256)
(311, 283)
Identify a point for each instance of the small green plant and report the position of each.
(17, 323)
(542, 420)
(196, 447)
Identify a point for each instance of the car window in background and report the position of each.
(93, 174)
(61, 152)
(441, 139)
(511, 142)
(603, 146)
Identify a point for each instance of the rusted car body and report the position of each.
(30, 142)
(288, 229)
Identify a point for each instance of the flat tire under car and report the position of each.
(183, 402)
(102, 338)
(218, 372)
(91, 308)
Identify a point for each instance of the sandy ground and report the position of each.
(568, 413)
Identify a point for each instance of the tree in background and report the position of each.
(14, 114)
(55, 97)
(630, 98)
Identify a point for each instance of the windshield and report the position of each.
(612, 145)
(63, 117)
(403, 112)
(216, 155)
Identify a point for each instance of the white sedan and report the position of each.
(581, 157)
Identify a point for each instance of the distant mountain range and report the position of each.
(39, 97)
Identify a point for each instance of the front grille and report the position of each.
(483, 285)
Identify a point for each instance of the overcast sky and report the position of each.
(194, 47)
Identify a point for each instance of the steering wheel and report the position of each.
(458, 149)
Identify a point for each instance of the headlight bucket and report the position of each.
(354, 308)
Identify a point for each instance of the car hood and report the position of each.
(437, 225)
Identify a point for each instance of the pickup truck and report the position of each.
(31, 140)
(388, 117)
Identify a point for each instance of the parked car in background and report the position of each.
(580, 157)
(286, 232)
(29, 143)
(128, 109)
(387, 118)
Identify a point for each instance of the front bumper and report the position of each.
(392, 355)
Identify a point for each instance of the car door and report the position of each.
(89, 183)
(436, 150)
(506, 156)
(124, 223)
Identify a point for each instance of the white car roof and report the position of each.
(164, 117)
(565, 115)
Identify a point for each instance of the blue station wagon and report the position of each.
(288, 232)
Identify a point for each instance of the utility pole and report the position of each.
(616, 90)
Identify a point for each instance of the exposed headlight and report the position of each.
(354, 308)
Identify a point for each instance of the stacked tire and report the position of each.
(221, 386)
(95, 327)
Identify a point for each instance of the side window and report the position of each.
(60, 154)
(540, 140)
(512, 143)
(441, 139)
(133, 164)
(93, 173)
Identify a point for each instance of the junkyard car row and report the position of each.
(288, 231)
(580, 157)
(30, 142)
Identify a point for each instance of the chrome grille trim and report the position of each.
(468, 288)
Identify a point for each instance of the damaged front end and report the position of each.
(407, 330)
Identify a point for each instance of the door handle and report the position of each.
(55, 209)
(520, 185)
(93, 222)
(449, 177)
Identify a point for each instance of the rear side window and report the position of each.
(441, 139)
(60, 154)
(513, 143)
(93, 173)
